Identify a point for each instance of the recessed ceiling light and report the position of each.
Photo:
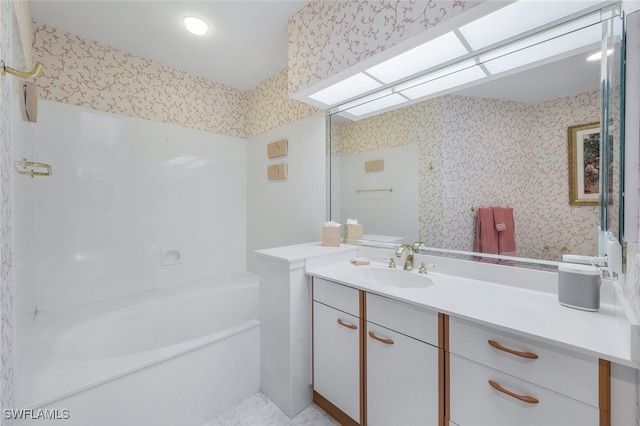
(598, 56)
(195, 25)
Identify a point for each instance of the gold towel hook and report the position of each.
(37, 70)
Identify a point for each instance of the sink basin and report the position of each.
(390, 277)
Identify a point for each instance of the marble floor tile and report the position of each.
(258, 410)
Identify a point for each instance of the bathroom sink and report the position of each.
(389, 277)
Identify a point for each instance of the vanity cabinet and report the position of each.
(402, 364)
(499, 379)
(379, 362)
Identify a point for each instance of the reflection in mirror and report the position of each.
(501, 140)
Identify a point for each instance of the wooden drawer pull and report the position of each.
(380, 339)
(344, 324)
(523, 398)
(527, 355)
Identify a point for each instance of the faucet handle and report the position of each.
(423, 267)
(392, 263)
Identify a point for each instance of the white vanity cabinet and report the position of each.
(336, 346)
(402, 364)
(499, 379)
(374, 359)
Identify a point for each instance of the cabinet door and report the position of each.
(402, 380)
(336, 358)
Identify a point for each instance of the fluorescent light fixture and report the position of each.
(435, 75)
(195, 25)
(364, 99)
(440, 84)
(346, 89)
(517, 18)
(527, 53)
(598, 56)
(377, 105)
(421, 58)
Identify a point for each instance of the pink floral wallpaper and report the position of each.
(270, 107)
(496, 153)
(93, 75)
(7, 326)
(327, 37)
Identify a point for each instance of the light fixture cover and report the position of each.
(195, 25)
(356, 85)
(517, 18)
(428, 55)
(447, 82)
(377, 105)
(586, 38)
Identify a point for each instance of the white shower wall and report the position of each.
(122, 190)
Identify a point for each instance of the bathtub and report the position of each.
(170, 357)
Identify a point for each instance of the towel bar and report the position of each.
(22, 166)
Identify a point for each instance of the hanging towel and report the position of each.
(486, 234)
(498, 218)
(506, 237)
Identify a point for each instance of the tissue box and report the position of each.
(331, 236)
(354, 234)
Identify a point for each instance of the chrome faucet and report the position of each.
(408, 262)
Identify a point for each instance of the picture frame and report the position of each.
(584, 164)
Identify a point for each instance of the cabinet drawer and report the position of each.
(403, 318)
(562, 371)
(339, 296)
(475, 402)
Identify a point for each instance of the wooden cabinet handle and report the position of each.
(523, 398)
(344, 324)
(380, 339)
(527, 355)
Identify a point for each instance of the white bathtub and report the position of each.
(162, 358)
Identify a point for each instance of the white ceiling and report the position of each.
(247, 43)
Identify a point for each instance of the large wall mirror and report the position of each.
(520, 126)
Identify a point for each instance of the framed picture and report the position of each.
(584, 164)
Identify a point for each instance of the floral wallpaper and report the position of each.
(632, 278)
(93, 75)
(270, 107)
(460, 139)
(27, 29)
(7, 330)
(327, 37)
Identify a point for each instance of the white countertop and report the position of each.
(298, 252)
(527, 312)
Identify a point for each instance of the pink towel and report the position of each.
(486, 234)
(498, 218)
(506, 237)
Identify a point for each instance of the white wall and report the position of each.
(373, 209)
(122, 190)
(282, 212)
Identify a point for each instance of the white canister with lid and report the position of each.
(579, 286)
